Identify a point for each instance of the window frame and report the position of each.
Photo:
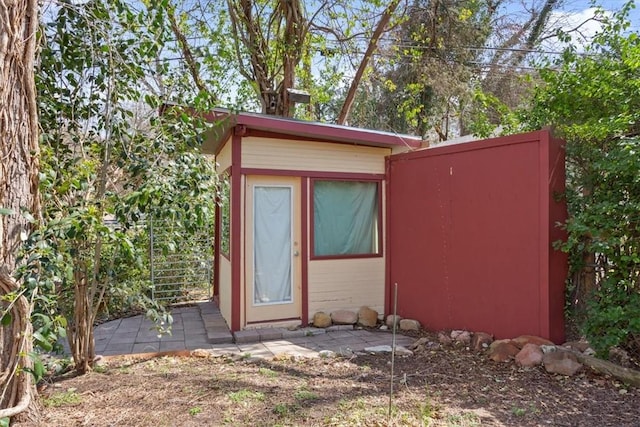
(225, 192)
(312, 231)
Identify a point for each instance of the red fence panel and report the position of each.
(471, 228)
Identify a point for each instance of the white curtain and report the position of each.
(272, 245)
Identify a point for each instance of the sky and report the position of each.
(577, 11)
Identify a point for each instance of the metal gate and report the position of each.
(180, 262)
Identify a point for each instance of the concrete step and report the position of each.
(217, 330)
(272, 334)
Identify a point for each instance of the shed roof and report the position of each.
(227, 121)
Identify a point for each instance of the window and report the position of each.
(225, 219)
(345, 218)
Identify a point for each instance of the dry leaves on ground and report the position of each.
(443, 387)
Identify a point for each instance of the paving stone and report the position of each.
(191, 317)
(252, 347)
(122, 348)
(175, 336)
(144, 336)
(171, 345)
(250, 335)
(219, 337)
(362, 333)
(127, 330)
(284, 349)
(300, 340)
(334, 328)
(208, 307)
(101, 340)
(311, 331)
(146, 347)
(269, 334)
(134, 320)
(255, 350)
(218, 330)
(216, 325)
(193, 324)
(340, 334)
(296, 333)
(213, 317)
(321, 338)
(128, 338)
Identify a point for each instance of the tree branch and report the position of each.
(373, 45)
(186, 50)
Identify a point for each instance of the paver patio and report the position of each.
(201, 326)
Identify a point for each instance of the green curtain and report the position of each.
(345, 217)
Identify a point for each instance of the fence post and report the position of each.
(151, 255)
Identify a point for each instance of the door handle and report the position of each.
(296, 253)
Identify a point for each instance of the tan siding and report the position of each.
(346, 284)
(225, 289)
(223, 159)
(269, 153)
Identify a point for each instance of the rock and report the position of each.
(444, 338)
(409, 325)
(461, 337)
(522, 340)
(403, 351)
(502, 350)
(530, 355)
(561, 362)
(384, 327)
(619, 357)
(199, 352)
(321, 320)
(326, 354)
(367, 317)
(344, 317)
(400, 350)
(421, 342)
(378, 349)
(391, 320)
(548, 348)
(99, 360)
(481, 341)
(580, 346)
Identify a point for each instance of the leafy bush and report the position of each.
(593, 99)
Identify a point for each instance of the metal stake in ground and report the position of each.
(393, 344)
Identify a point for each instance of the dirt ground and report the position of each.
(443, 387)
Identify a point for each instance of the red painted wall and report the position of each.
(471, 228)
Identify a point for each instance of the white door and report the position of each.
(273, 285)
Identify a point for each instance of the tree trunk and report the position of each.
(18, 193)
(626, 375)
(80, 328)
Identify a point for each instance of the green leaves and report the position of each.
(6, 319)
(593, 100)
(109, 163)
